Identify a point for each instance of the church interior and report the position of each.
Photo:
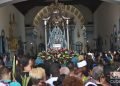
(22, 24)
(41, 40)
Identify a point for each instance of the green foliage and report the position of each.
(25, 80)
(14, 68)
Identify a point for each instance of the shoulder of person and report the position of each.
(9, 83)
(3, 83)
(15, 84)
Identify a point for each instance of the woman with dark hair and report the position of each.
(25, 63)
(54, 73)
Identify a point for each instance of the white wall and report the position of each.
(105, 17)
(29, 17)
(5, 17)
(86, 13)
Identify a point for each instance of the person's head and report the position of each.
(5, 73)
(72, 81)
(70, 65)
(37, 76)
(64, 70)
(54, 69)
(25, 63)
(82, 65)
(97, 72)
(109, 52)
(47, 67)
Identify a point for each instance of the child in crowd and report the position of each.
(5, 78)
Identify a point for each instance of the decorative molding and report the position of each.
(45, 12)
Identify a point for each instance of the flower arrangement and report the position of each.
(60, 55)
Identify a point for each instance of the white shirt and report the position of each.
(51, 80)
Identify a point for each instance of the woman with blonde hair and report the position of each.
(38, 76)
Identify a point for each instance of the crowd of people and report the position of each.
(90, 69)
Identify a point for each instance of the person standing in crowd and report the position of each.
(97, 77)
(5, 78)
(38, 77)
(64, 70)
(54, 73)
(26, 64)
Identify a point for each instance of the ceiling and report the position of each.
(25, 6)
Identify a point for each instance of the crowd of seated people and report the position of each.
(91, 69)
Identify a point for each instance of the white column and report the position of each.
(45, 23)
(84, 46)
(45, 37)
(67, 22)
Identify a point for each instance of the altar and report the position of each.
(60, 28)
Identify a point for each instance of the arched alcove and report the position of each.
(69, 10)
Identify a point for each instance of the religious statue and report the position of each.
(57, 37)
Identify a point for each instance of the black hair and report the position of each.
(24, 61)
(54, 69)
